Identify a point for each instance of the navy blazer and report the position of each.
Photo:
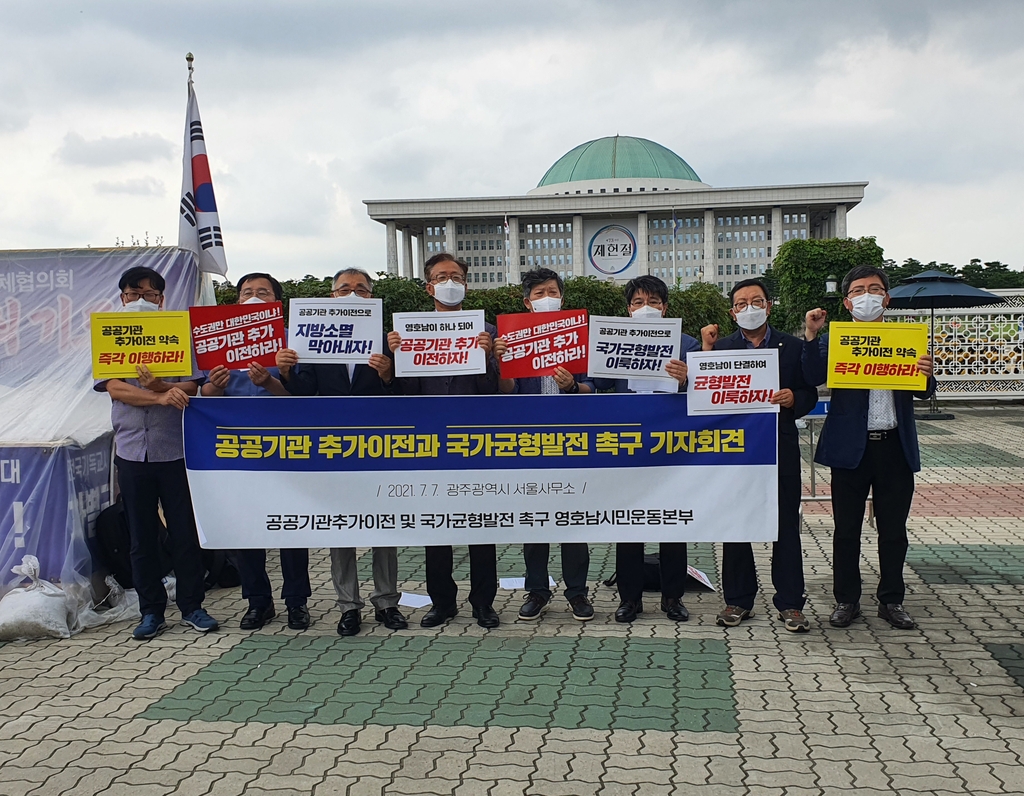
(844, 436)
(474, 384)
(622, 385)
(530, 385)
(332, 379)
(791, 375)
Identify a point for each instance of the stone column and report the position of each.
(710, 264)
(513, 248)
(578, 261)
(643, 266)
(449, 236)
(407, 264)
(392, 248)
(421, 254)
(776, 231)
(841, 221)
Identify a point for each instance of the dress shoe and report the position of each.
(896, 615)
(581, 608)
(438, 615)
(486, 616)
(257, 617)
(392, 619)
(844, 614)
(298, 617)
(675, 610)
(628, 611)
(533, 606)
(350, 622)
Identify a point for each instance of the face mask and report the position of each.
(450, 293)
(867, 307)
(646, 311)
(546, 304)
(139, 305)
(254, 300)
(751, 318)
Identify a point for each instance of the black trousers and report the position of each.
(483, 576)
(252, 569)
(629, 569)
(739, 574)
(575, 567)
(142, 485)
(883, 470)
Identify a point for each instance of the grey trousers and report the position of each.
(346, 581)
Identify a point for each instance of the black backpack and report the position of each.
(114, 544)
(652, 573)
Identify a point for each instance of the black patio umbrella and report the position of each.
(937, 289)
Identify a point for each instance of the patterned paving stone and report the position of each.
(1011, 658)
(968, 563)
(970, 454)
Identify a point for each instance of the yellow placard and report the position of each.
(162, 341)
(876, 356)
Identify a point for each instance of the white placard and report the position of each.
(439, 343)
(410, 599)
(345, 329)
(635, 349)
(511, 584)
(732, 382)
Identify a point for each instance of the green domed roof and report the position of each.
(618, 157)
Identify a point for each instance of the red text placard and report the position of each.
(540, 342)
(233, 335)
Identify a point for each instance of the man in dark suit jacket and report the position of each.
(374, 378)
(750, 309)
(870, 441)
(446, 284)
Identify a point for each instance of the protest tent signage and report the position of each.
(338, 330)
(439, 343)
(234, 335)
(159, 340)
(436, 471)
(540, 342)
(876, 356)
(732, 382)
(635, 349)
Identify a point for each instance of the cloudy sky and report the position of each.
(309, 108)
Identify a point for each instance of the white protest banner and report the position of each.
(439, 343)
(732, 382)
(346, 329)
(627, 348)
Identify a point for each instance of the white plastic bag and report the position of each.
(38, 610)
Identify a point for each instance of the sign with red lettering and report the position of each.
(732, 382)
(233, 335)
(439, 343)
(539, 342)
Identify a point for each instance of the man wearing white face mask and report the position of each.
(446, 284)
(869, 439)
(542, 292)
(750, 310)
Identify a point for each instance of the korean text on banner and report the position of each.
(159, 340)
(439, 343)
(624, 348)
(233, 335)
(614, 468)
(732, 382)
(345, 329)
(540, 342)
(876, 356)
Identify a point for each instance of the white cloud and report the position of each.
(143, 186)
(113, 151)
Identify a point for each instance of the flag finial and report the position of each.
(189, 58)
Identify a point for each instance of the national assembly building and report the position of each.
(615, 208)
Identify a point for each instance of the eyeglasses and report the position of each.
(874, 290)
(458, 279)
(651, 301)
(362, 292)
(152, 296)
(759, 303)
(262, 293)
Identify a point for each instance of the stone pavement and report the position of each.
(556, 707)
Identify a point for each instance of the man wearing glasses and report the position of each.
(750, 310)
(376, 377)
(869, 439)
(146, 415)
(446, 284)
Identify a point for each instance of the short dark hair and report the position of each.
(864, 272)
(443, 257)
(650, 285)
(539, 276)
(134, 276)
(278, 291)
(750, 283)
